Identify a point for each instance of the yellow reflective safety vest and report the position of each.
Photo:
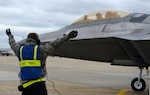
(29, 61)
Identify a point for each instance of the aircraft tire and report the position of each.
(138, 87)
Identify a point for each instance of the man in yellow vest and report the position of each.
(32, 57)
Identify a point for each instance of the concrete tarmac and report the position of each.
(74, 77)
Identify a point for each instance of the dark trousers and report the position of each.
(35, 89)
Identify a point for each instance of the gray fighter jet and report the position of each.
(121, 38)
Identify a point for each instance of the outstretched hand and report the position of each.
(8, 32)
(73, 34)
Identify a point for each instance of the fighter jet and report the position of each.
(119, 37)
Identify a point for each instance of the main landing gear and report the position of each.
(138, 84)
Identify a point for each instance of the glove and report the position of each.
(73, 34)
(8, 32)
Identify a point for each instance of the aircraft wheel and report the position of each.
(138, 86)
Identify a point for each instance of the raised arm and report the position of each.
(14, 46)
(51, 46)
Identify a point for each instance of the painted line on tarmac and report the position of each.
(8, 86)
(123, 91)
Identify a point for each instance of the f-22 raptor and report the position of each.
(119, 37)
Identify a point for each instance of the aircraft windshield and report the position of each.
(100, 15)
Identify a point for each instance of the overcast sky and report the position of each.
(41, 16)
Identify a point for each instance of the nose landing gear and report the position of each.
(138, 84)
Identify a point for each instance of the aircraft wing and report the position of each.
(124, 50)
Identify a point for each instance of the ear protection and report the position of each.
(38, 41)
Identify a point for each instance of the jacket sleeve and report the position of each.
(49, 47)
(14, 46)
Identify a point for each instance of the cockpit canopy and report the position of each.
(100, 15)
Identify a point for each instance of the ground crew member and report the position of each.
(32, 57)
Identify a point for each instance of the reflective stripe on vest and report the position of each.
(32, 82)
(30, 63)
